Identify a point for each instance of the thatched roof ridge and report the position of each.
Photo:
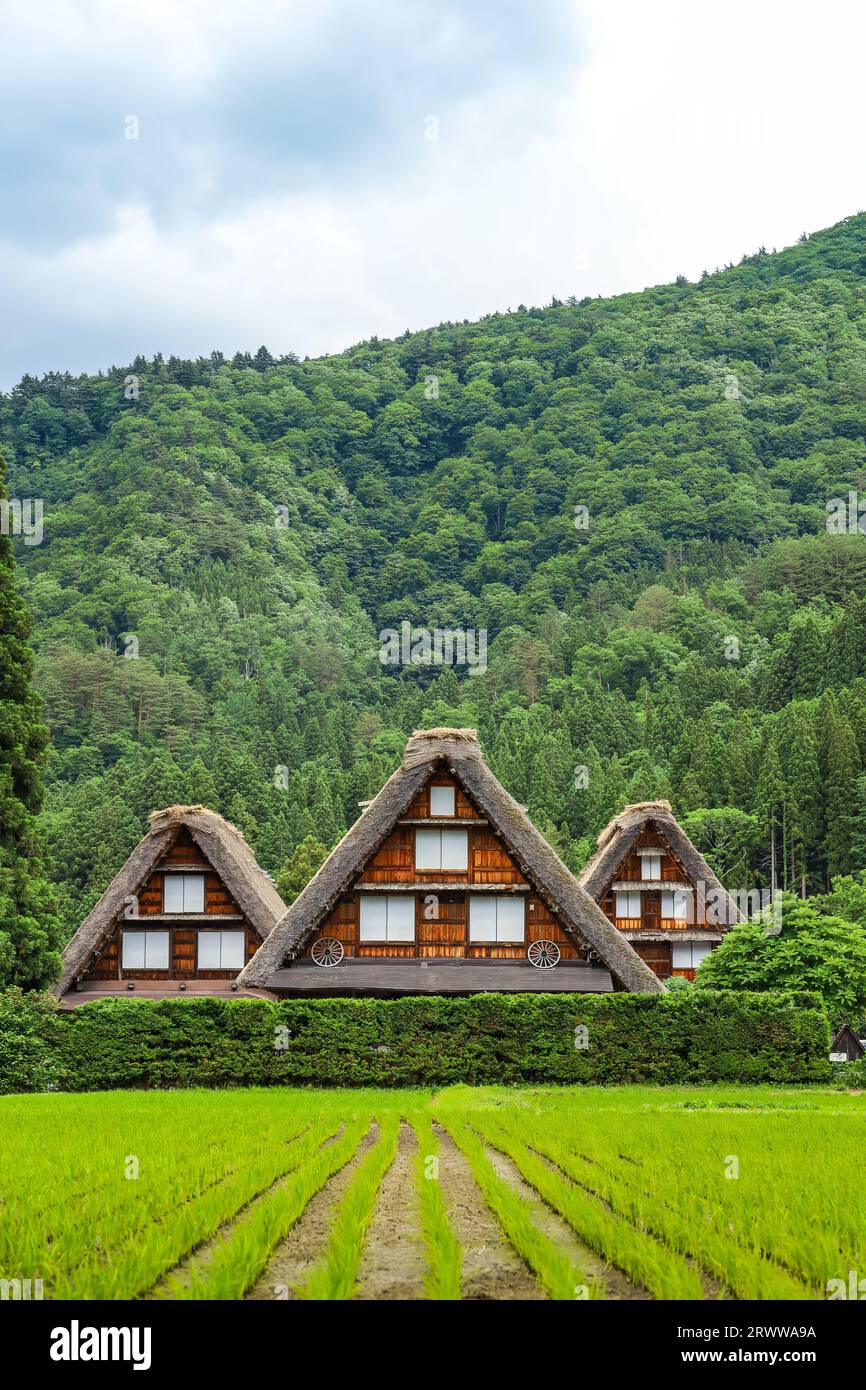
(621, 834)
(223, 846)
(640, 810)
(426, 745)
(459, 750)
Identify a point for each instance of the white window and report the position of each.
(442, 801)
(651, 866)
(687, 955)
(387, 917)
(442, 849)
(495, 917)
(628, 902)
(184, 893)
(221, 950)
(676, 904)
(145, 950)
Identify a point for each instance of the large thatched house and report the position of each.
(444, 886)
(186, 912)
(657, 890)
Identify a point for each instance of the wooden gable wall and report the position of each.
(441, 916)
(658, 954)
(218, 904)
(672, 871)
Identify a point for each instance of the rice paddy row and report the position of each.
(567, 1194)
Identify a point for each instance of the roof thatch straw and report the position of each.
(622, 833)
(459, 750)
(223, 846)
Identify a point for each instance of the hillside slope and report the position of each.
(628, 495)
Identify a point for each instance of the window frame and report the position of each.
(704, 949)
(182, 877)
(677, 897)
(495, 899)
(148, 935)
(443, 787)
(388, 899)
(630, 894)
(423, 836)
(209, 933)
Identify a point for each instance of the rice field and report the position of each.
(472, 1193)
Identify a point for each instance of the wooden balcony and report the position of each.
(649, 923)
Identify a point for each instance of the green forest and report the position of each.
(633, 497)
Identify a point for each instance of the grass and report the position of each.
(752, 1192)
(442, 1249)
(559, 1277)
(335, 1277)
(663, 1272)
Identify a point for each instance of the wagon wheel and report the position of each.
(544, 955)
(327, 951)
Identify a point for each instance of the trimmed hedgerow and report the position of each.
(692, 1036)
(30, 1057)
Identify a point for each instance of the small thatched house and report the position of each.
(188, 909)
(657, 890)
(443, 886)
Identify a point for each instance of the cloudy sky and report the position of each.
(184, 175)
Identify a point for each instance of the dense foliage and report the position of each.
(29, 928)
(30, 1058)
(812, 951)
(629, 495)
(697, 1035)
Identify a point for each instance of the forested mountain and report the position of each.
(629, 495)
(29, 925)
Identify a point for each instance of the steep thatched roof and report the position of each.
(223, 846)
(619, 837)
(459, 750)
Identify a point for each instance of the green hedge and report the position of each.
(30, 1051)
(692, 1036)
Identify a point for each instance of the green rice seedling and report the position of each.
(105, 1195)
(662, 1201)
(196, 1223)
(558, 1276)
(135, 1182)
(335, 1277)
(442, 1249)
(237, 1260)
(663, 1273)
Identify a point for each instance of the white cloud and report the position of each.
(660, 139)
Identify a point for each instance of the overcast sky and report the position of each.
(309, 174)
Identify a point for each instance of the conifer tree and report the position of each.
(771, 800)
(29, 934)
(299, 868)
(798, 750)
(843, 769)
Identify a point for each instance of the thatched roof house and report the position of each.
(442, 885)
(658, 890)
(189, 907)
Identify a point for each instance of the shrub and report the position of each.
(850, 1076)
(691, 1036)
(812, 951)
(30, 1055)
